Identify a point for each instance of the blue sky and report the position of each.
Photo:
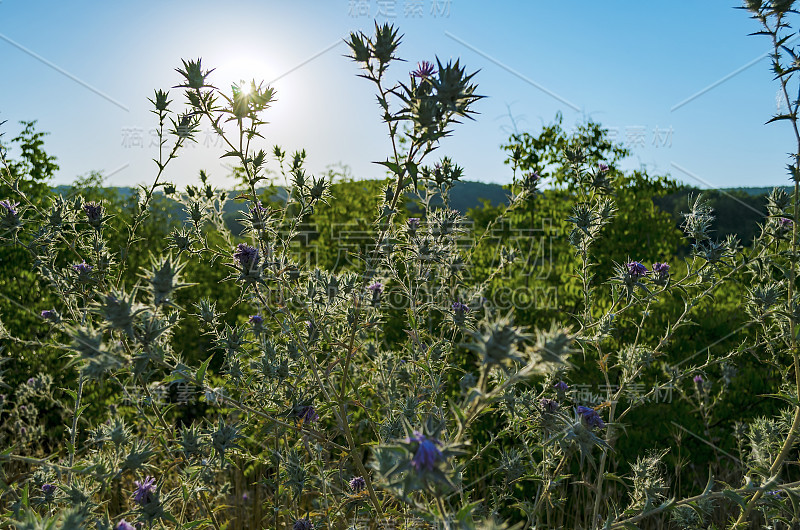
(626, 64)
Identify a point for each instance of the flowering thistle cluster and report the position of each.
(145, 490)
(460, 311)
(51, 315)
(303, 524)
(425, 69)
(419, 460)
(549, 406)
(307, 414)
(660, 273)
(590, 417)
(247, 261)
(530, 182)
(636, 271)
(257, 321)
(377, 290)
(357, 484)
(427, 454)
(94, 214)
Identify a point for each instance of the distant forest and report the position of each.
(737, 210)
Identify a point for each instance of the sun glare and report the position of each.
(245, 87)
(239, 69)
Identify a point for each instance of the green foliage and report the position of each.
(351, 349)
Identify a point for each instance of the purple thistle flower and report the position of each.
(246, 256)
(49, 314)
(256, 320)
(377, 289)
(424, 70)
(83, 267)
(94, 211)
(303, 524)
(245, 497)
(31, 381)
(561, 386)
(602, 166)
(460, 307)
(636, 270)
(662, 269)
(308, 414)
(698, 379)
(144, 490)
(48, 489)
(10, 207)
(413, 223)
(124, 525)
(460, 311)
(785, 223)
(357, 484)
(427, 454)
(549, 405)
(531, 178)
(661, 272)
(591, 417)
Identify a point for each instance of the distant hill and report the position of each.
(737, 210)
(759, 191)
(466, 194)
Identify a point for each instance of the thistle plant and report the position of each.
(394, 390)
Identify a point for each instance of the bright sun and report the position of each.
(245, 87)
(239, 69)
